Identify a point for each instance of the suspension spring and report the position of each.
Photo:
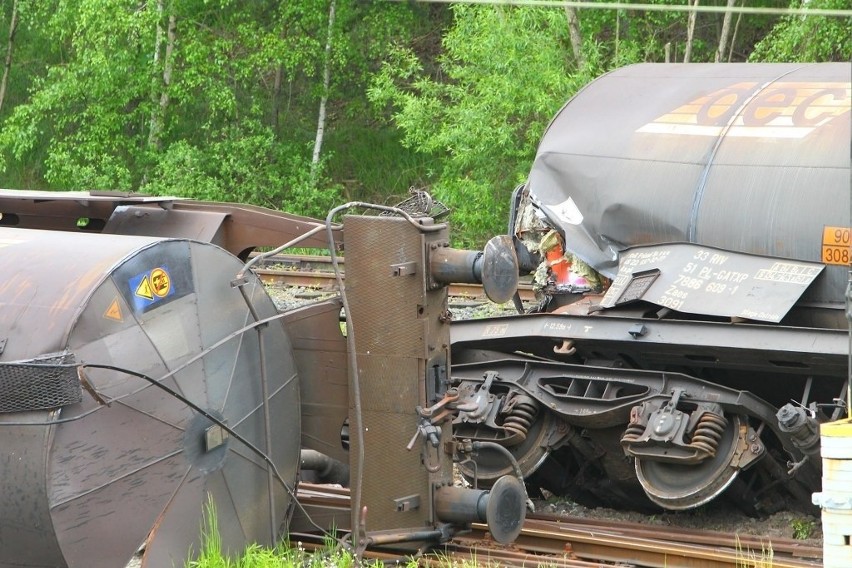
(708, 433)
(521, 417)
(632, 433)
(636, 426)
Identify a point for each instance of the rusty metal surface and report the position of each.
(743, 157)
(235, 227)
(554, 540)
(612, 366)
(319, 350)
(86, 484)
(747, 347)
(397, 331)
(650, 549)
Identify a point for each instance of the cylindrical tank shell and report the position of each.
(745, 157)
(85, 484)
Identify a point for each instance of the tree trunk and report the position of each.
(734, 36)
(7, 67)
(576, 38)
(326, 79)
(723, 37)
(617, 33)
(276, 97)
(158, 113)
(690, 29)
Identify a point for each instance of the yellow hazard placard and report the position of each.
(837, 245)
(113, 311)
(143, 290)
(152, 287)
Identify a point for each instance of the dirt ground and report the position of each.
(720, 517)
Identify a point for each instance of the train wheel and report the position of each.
(490, 464)
(679, 487)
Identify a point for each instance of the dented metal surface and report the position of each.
(237, 228)
(125, 456)
(742, 157)
(705, 280)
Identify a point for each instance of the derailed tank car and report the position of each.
(147, 380)
(688, 227)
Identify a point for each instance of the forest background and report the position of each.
(300, 105)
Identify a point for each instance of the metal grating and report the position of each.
(421, 204)
(46, 382)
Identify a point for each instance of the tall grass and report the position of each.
(283, 555)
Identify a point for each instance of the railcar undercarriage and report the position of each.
(649, 413)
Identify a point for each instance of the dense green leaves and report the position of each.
(808, 38)
(504, 73)
(211, 99)
(219, 99)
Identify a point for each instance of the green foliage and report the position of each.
(504, 72)
(808, 38)
(454, 99)
(803, 528)
(85, 109)
(284, 555)
(233, 121)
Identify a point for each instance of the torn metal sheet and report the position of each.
(709, 281)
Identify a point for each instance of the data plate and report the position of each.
(709, 281)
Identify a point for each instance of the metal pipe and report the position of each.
(270, 480)
(381, 539)
(461, 505)
(455, 266)
(328, 469)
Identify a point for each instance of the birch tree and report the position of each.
(723, 36)
(576, 37)
(326, 80)
(690, 31)
(160, 95)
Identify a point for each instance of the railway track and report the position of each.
(316, 272)
(567, 541)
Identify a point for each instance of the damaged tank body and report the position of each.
(139, 387)
(692, 224)
(749, 158)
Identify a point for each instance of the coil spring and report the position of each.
(632, 433)
(708, 433)
(521, 418)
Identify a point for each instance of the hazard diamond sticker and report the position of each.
(113, 311)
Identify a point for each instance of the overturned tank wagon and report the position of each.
(688, 227)
(148, 382)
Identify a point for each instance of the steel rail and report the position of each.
(650, 550)
(581, 542)
(792, 547)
